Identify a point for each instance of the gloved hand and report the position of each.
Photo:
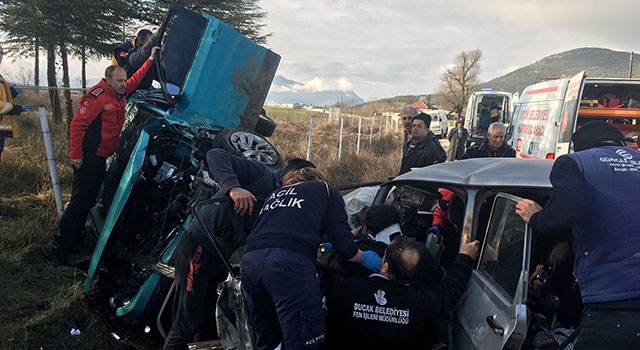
(15, 91)
(17, 109)
(434, 229)
(326, 248)
(371, 260)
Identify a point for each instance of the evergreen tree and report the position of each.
(91, 28)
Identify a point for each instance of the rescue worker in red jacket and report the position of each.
(93, 135)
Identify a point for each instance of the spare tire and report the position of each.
(265, 126)
(249, 144)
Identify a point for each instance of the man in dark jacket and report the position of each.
(199, 269)
(135, 58)
(407, 115)
(595, 195)
(278, 265)
(121, 51)
(457, 141)
(385, 311)
(493, 144)
(421, 150)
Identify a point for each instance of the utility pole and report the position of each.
(630, 64)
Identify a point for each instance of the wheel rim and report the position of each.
(254, 147)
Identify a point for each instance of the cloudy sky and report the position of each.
(383, 48)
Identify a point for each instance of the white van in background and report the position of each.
(548, 113)
(476, 119)
(439, 123)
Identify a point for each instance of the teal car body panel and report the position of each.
(220, 81)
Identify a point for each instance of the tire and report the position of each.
(249, 144)
(265, 126)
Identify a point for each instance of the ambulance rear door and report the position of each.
(536, 119)
(570, 107)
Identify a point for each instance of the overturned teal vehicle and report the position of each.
(213, 84)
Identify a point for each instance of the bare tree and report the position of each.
(460, 79)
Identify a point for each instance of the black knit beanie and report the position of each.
(595, 134)
(424, 117)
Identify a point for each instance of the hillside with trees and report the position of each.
(597, 62)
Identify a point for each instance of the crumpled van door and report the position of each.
(492, 313)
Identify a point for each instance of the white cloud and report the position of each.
(344, 84)
(395, 48)
(382, 48)
(315, 84)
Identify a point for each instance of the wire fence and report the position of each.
(368, 129)
(50, 88)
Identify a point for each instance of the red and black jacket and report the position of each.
(96, 126)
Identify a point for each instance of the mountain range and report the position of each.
(597, 62)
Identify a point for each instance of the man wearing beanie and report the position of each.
(596, 194)
(421, 149)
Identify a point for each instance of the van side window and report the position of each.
(503, 251)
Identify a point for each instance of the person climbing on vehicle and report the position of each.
(199, 269)
(122, 50)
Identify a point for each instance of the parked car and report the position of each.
(213, 84)
(494, 312)
(439, 123)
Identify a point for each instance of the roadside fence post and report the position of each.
(373, 121)
(310, 137)
(340, 142)
(51, 159)
(359, 133)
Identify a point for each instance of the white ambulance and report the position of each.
(477, 117)
(548, 113)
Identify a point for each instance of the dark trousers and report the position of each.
(609, 329)
(198, 273)
(85, 188)
(282, 294)
(1, 145)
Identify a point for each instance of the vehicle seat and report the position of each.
(610, 100)
(484, 120)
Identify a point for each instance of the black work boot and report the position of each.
(54, 254)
